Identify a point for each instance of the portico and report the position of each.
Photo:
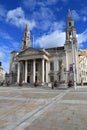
(32, 67)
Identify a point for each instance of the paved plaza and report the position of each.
(24, 108)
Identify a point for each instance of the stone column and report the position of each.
(67, 62)
(34, 69)
(46, 71)
(23, 73)
(26, 71)
(42, 70)
(18, 74)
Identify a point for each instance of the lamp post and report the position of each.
(74, 63)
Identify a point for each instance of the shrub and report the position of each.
(20, 83)
(36, 83)
(55, 83)
(70, 83)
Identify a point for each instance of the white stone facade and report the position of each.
(46, 65)
(83, 67)
(2, 74)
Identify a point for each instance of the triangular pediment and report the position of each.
(29, 51)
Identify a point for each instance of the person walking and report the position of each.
(52, 86)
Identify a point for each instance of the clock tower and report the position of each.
(71, 46)
(26, 39)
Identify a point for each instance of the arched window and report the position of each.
(69, 23)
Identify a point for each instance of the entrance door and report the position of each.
(36, 78)
(28, 79)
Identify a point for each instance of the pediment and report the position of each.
(29, 51)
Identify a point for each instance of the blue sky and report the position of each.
(47, 23)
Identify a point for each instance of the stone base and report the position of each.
(63, 86)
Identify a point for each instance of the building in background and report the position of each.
(46, 65)
(2, 74)
(83, 66)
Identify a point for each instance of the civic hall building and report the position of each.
(46, 65)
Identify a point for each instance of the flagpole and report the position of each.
(73, 60)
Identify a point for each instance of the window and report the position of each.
(24, 43)
(51, 65)
(69, 34)
(69, 23)
(51, 78)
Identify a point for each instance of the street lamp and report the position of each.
(74, 63)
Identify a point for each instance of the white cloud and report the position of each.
(7, 45)
(29, 4)
(82, 38)
(17, 18)
(58, 25)
(16, 45)
(33, 3)
(2, 55)
(54, 39)
(57, 38)
(5, 35)
(43, 17)
(83, 12)
(44, 3)
(5, 56)
(75, 15)
(5, 51)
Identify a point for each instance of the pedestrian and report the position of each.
(52, 86)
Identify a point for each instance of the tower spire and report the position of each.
(69, 19)
(26, 38)
(70, 29)
(27, 27)
(69, 13)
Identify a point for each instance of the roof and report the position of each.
(14, 51)
(56, 48)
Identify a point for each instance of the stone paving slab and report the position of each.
(75, 96)
(40, 95)
(61, 117)
(16, 105)
(22, 93)
(84, 89)
(16, 112)
(43, 109)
